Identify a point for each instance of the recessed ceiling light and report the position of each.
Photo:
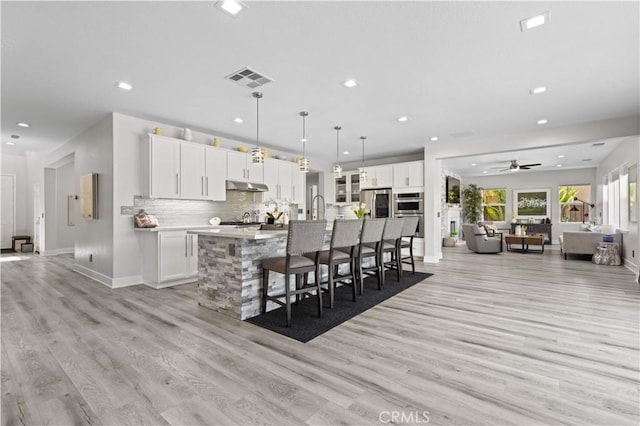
(543, 121)
(123, 85)
(402, 119)
(238, 120)
(561, 156)
(23, 124)
(534, 21)
(538, 90)
(10, 143)
(587, 159)
(484, 172)
(473, 164)
(434, 138)
(350, 83)
(558, 165)
(346, 152)
(232, 7)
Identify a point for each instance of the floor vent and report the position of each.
(249, 78)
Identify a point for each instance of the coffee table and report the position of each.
(524, 241)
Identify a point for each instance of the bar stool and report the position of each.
(370, 247)
(344, 241)
(391, 244)
(409, 231)
(304, 237)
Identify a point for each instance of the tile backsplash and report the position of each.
(198, 212)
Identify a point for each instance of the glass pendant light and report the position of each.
(337, 169)
(361, 170)
(304, 161)
(257, 155)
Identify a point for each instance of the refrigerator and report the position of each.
(378, 202)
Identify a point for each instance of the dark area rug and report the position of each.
(305, 324)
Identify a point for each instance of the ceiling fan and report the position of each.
(515, 166)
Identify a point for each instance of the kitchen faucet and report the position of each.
(324, 207)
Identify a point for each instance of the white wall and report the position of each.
(17, 165)
(65, 186)
(539, 180)
(627, 154)
(50, 242)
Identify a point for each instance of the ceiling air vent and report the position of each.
(249, 78)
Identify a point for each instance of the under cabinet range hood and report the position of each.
(235, 185)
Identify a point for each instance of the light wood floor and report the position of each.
(490, 339)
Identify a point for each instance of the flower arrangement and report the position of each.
(359, 210)
(274, 211)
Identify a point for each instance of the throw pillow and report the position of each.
(491, 230)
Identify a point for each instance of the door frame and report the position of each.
(13, 177)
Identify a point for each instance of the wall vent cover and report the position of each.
(249, 78)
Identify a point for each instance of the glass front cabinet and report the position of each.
(348, 188)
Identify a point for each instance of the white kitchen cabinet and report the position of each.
(347, 188)
(183, 170)
(378, 177)
(215, 187)
(161, 167)
(192, 167)
(284, 180)
(240, 168)
(169, 258)
(408, 175)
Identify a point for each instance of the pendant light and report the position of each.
(257, 155)
(361, 170)
(337, 169)
(304, 161)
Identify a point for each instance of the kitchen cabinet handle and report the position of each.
(201, 185)
(407, 180)
(191, 245)
(248, 173)
(177, 184)
(207, 185)
(186, 247)
(293, 189)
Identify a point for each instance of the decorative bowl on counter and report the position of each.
(214, 221)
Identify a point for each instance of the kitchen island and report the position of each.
(230, 269)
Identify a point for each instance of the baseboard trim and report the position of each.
(431, 259)
(158, 286)
(56, 252)
(631, 266)
(108, 281)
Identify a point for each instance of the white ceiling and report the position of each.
(451, 67)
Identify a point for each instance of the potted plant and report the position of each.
(472, 203)
(450, 241)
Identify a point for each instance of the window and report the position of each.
(572, 209)
(493, 204)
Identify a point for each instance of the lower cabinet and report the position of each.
(169, 258)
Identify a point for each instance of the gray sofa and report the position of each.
(583, 242)
(477, 240)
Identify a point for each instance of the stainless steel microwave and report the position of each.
(408, 203)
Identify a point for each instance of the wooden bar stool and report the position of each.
(370, 247)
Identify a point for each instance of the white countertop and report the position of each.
(184, 227)
(240, 233)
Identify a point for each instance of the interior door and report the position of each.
(7, 215)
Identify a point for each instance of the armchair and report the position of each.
(478, 241)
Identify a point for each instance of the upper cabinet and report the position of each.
(347, 188)
(240, 168)
(408, 175)
(161, 167)
(284, 180)
(378, 177)
(176, 169)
